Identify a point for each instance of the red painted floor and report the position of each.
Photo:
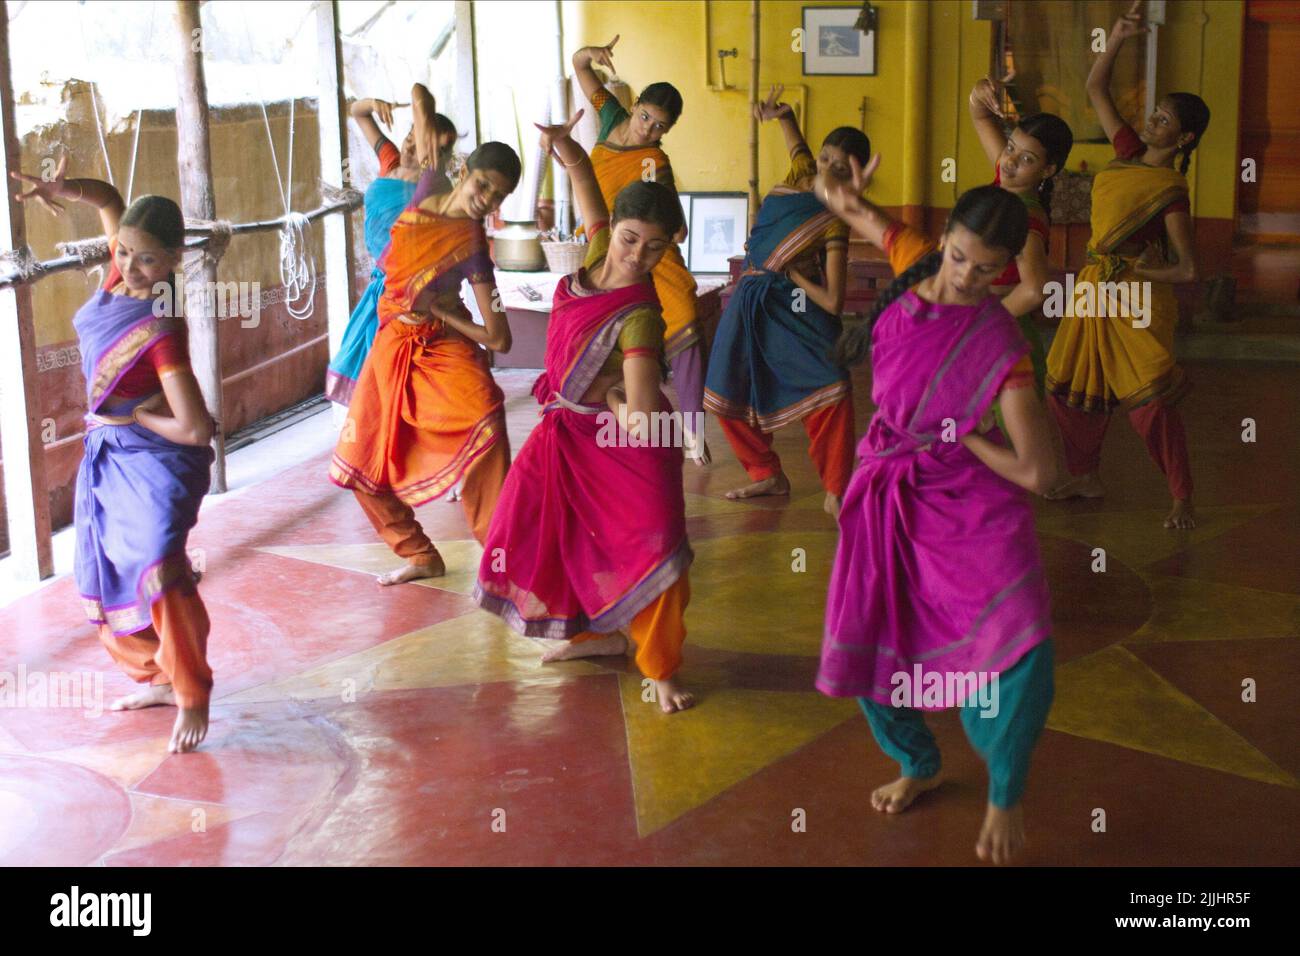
(359, 725)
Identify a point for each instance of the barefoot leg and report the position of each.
(412, 572)
(612, 645)
(672, 696)
(1080, 486)
(156, 695)
(898, 796)
(1181, 517)
(189, 730)
(776, 485)
(1002, 836)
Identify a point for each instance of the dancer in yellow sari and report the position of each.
(628, 150)
(1105, 357)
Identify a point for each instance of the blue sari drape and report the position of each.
(385, 200)
(770, 363)
(138, 494)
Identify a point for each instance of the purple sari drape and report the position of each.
(584, 537)
(138, 494)
(937, 563)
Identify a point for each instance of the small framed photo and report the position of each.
(718, 227)
(833, 46)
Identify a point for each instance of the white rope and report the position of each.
(297, 266)
(139, 113)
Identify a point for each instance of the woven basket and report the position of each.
(564, 257)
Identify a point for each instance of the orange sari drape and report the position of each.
(616, 168)
(426, 406)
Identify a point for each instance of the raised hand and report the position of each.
(844, 196)
(604, 55)
(43, 190)
(558, 133)
(384, 110)
(771, 108)
(988, 93)
(1129, 25)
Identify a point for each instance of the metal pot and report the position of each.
(516, 248)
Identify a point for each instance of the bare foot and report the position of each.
(778, 484)
(413, 572)
(613, 645)
(189, 730)
(1003, 834)
(156, 695)
(671, 697)
(832, 505)
(1081, 486)
(1181, 516)
(898, 796)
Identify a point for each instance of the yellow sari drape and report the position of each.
(616, 168)
(1099, 362)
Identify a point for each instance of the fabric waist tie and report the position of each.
(558, 399)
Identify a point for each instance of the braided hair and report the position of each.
(1193, 117)
(1056, 138)
(1000, 220)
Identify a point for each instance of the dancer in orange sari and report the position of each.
(628, 150)
(426, 413)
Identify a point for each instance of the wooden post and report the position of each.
(466, 92)
(754, 198)
(331, 110)
(194, 160)
(27, 496)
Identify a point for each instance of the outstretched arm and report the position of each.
(426, 137)
(772, 109)
(363, 111)
(845, 199)
(582, 60)
(103, 196)
(557, 141)
(986, 114)
(1099, 76)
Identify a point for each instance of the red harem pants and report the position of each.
(395, 520)
(830, 445)
(1161, 428)
(658, 631)
(174, 651)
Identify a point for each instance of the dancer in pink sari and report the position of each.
(589, 535)
(937, 597)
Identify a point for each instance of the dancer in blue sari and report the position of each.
(386, 197)
(147, 457)
(770, 362)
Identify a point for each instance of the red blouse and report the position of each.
(1037, 223)
(169, 354)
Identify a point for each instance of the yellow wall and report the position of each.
(709, 146)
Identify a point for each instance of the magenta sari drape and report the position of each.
(937, 563)
(584, 536)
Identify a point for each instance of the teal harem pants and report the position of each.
(1005, 742)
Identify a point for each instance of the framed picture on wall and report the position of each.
(717, 226)
(833, 46)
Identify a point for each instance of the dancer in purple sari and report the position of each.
(589, 535)
(147, 458)
(937, 597)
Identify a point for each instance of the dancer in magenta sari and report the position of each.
(589, 535)
(937, 597)
(147, 459)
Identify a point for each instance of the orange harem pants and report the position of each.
(174, 651)
(1159, 425)
(830, 445)
(658, 631)
(395, 520)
